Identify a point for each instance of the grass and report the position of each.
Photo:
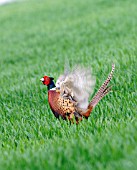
(35, 39)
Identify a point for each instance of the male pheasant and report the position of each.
(68, 99)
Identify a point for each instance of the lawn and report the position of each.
(35, 39)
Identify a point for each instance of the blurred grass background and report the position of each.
(35, 39)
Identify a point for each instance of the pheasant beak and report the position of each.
(42, 79)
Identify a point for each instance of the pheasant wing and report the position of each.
(78, 84)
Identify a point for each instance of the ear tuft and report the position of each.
(51, 78)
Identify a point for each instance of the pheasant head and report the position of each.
(48, 81)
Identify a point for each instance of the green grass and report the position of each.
(35, 39)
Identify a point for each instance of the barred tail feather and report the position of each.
(103, 89)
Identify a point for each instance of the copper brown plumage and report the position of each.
(67, 105)
(61, 106)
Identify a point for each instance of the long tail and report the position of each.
(103, 90)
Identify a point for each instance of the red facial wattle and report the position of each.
(45, 80)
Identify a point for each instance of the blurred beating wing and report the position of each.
(78, 84)
(63, 76)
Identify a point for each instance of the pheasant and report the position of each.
(68, 99)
